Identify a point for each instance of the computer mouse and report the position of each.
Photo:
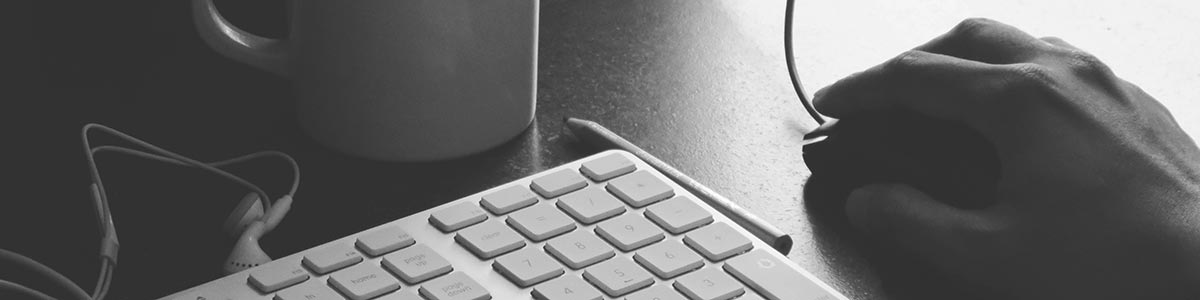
(945, 159)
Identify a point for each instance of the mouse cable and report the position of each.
(790, 55)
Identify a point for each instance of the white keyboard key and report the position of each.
(489, 239)
(752, 296)
(400, 296)
(457, 216)
(416, 264)
(363, 281)
(456, 286)
(568, 287)
(679, 214)
(657, 292)
(772, 278)
(559, 182)
(276, 275)
(709, 284)
(607, 167)
(528, 267)
(591, 205)
(669, 259)
(579, 249)
(541, 222)
(331, 258)
(640, 188)
(312, 290)
(629, 232)
(618, 276)
(508, 199)
(384, 240)
(208, 292)
(717, 241)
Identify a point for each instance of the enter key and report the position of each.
(774, 279)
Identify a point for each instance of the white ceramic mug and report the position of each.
(399, 80)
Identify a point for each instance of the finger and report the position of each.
(905, 217)
(932, 84)
(1058, 42)
(987, 41)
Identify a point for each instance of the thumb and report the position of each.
(901, 215)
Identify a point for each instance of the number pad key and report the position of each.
(772, 277)
(457, 216)
(527, 267)
(657, 292)
(629, 232)
(489, 239)
(717, 241)
(566, 288)
(363, 281)
(579, 249)
(416, 264)
(607, 167)
(679, 214)
(618, 276)
(508, 199)
(668, 259)
(558, 183)
(640, 188)
(709, 284)
(541, 222)
(591, 205)
(456, 286)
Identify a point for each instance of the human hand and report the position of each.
(1099, 189)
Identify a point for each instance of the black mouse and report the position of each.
(945, 159)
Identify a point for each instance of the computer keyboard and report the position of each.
(603, 227)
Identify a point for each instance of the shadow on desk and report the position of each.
(901, 273)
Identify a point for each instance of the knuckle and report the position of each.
(1054, 41)
(905, 61)
(1024, 84)
(1028, 75)
(972, 26)
(1083, 63)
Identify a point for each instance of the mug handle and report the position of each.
(267, 54)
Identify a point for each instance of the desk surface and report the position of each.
(701, 84)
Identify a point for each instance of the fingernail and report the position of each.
(823, 129)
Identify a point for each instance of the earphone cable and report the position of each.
(218, 164)
(56, 278)
(22, 290)
(109, 244)
(96, 175)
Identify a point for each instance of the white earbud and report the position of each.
(249, 210)
(246, 252)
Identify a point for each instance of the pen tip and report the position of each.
(573, 121)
